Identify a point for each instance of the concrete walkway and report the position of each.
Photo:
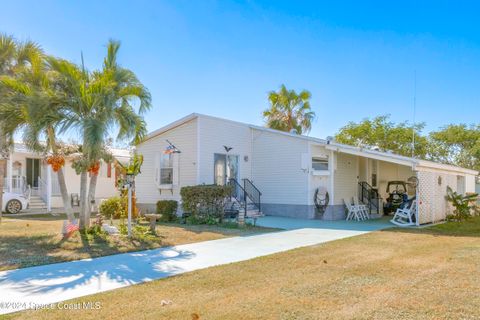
(39, 286)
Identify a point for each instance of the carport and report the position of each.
(373, 170)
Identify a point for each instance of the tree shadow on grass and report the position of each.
(100, 274)
(38, 249)
(225, 229)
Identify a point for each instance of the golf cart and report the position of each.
(397, 195)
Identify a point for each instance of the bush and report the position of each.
(464, 205)
(116, 208)
(168, 210)
(112, 208)
(205, 203)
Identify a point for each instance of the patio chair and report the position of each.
(352, 211)
(361, 208)
(405, 217)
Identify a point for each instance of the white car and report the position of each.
(13, 202)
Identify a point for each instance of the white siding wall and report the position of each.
(216, 133)
(346, 172)
(184, 137)
(470, 183)
(105, 186)
(277, 168)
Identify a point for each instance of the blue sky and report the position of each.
(221, 58)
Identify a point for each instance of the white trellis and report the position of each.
(431, 192)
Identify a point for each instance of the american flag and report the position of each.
(169, 150)
(70, 229)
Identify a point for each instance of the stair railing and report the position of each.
(43, 189)
(253, 193)
(238, 193)
(369, 196)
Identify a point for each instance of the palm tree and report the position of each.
(116, 110)
(289, 111)
(101, 102)
(8, 55)
(35, 106)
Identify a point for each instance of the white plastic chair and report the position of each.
(361, 208)
(352, 211)
(404, 217)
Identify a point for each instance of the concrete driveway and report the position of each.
(49, 284)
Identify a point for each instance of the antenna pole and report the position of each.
(414, 110)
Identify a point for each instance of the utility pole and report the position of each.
(414, 110)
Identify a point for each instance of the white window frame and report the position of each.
(174, 168)
(321, 172)
(166, 158)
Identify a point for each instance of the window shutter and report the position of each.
(157, 169)
(176, 169)
(109, 170)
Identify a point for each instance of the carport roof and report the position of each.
(416, 164)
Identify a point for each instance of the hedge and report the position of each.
(168, 210)
(205, 202)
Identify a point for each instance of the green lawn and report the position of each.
(36, 240)
(430, 273)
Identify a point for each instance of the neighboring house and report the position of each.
(286, 168)
(27, 172)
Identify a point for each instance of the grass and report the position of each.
(430, 273)
(35, 240)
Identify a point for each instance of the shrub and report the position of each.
(116, 208)
(464, 205)
(205, 202)
(112, 208)
(168, 210)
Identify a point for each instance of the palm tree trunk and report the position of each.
(61, 177)
(83, 196)
(91, 197)
(2, 182)
(64, 192)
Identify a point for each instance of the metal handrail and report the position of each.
(27, 193)
(42, 188)
(367, 192)
(256, 198)
(236, 187)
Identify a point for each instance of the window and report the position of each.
(320, 164)
(166, 169)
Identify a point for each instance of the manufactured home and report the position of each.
(27, 173)
(287, 174)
